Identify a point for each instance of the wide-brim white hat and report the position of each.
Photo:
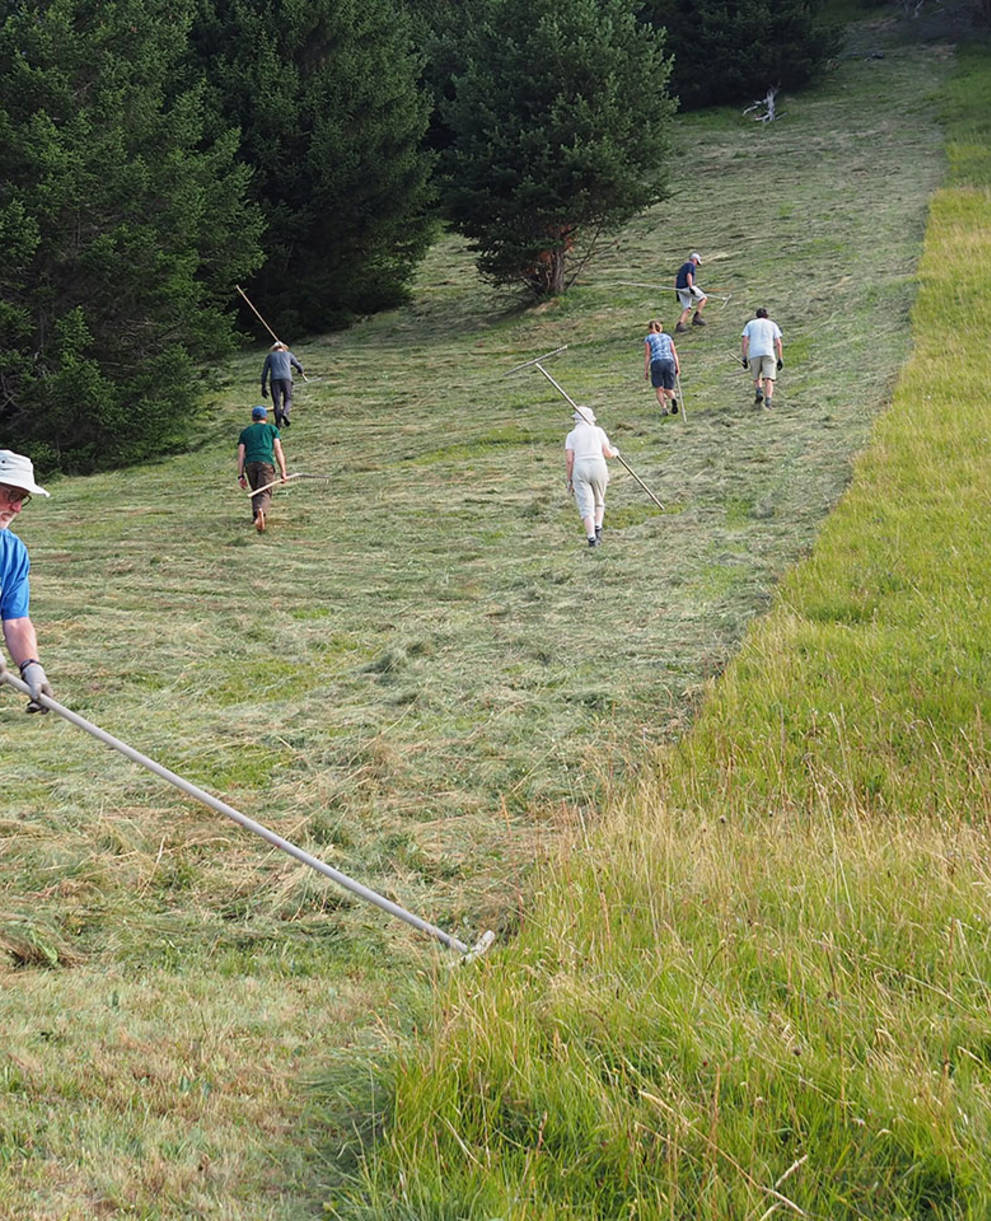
(16, 471)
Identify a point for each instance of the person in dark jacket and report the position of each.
(277, 371)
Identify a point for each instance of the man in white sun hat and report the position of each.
(17, 486)
(586, 449)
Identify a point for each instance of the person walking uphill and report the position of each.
(689, 293)
(277, 371)
(586, 449)
(661, 365)
(17, 486)
(258, 449)
(761, 348)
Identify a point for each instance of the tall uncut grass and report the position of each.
(763, 988)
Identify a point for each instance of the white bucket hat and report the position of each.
(584, 415)
(18, 472)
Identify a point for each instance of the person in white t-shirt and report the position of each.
(586, 449)
(761, 348)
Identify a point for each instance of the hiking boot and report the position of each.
(680, 329)
(598, 533)
(594, 541)
(260, 521)
(674, 406)
(698, 320)
(286, 421)
(768, 404)
(759, 398)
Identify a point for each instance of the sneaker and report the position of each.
(680, 329)
(759, 397)
(260, 522)
(698, 321)
(674, 406)
(593, 541)
(664, 411)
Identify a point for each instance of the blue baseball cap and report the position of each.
(259, 412)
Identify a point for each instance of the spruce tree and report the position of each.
(560, 127)
(332, 120)
(122, 228)
(736, 50)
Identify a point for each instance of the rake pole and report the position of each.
(669, 288)
(284, 845)
(261, 319)
(276, 482)
(256, 313)
(581, 411)
(681, 398)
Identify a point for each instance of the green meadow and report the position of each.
(719, 786)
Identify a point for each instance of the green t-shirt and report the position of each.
(259, 442)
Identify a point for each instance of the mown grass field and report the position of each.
(762, 988)
(419, 672)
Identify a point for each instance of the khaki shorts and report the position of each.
(687, 295)
(765, 366)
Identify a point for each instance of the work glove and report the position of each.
(781, 364)
(37, 681)
(264, 393)
(615, 452)
(745, 363)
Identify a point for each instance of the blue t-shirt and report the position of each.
(684, 271)
(14, 567)
(660, 346)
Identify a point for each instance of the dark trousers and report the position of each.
(260, 473)
(281, 398)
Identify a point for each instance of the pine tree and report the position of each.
(738, 49)
(332, 120)
(122, 231)
(561, 126)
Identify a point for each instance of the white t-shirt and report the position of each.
(587, 441)
(762, 333)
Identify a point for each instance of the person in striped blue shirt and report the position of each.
(661, 366)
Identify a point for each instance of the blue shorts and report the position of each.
(662, 374)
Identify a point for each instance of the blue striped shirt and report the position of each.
(660, 346)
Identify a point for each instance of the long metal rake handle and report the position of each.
(284, 845)
(581, 412)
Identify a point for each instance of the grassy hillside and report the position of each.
(762, 990)
(419, 672)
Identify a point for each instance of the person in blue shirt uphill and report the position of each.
(277, 372)
(689, 293)
(17, 486)
(259, 447)
(661, 365)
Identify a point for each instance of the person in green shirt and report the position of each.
(258, 449)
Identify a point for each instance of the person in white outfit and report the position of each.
(586, 449)
(760, 347)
